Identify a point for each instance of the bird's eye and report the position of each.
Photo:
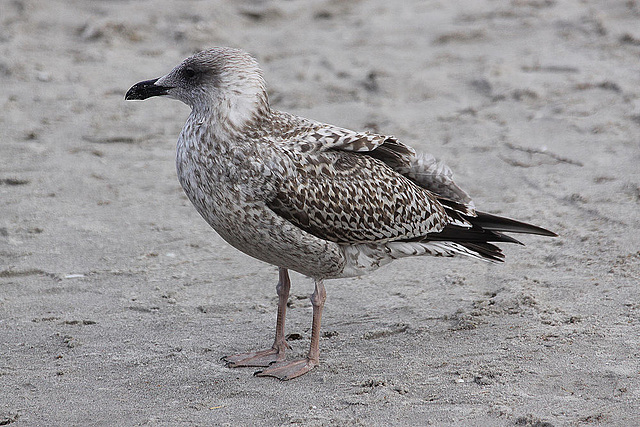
(189, 73)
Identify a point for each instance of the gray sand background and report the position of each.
(117, 300)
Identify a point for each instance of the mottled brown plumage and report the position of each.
(324, 201)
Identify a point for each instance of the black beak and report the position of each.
(146, 89)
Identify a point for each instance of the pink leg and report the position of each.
(276, 352)
(287, 370)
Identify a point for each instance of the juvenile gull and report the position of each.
(324, 201)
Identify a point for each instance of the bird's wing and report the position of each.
(423, 169)
(358, 187)
(349, 198)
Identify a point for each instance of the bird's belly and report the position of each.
(245, 222)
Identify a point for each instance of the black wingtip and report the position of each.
(505, 238)
(499, 223)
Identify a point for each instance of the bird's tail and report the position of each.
(470, 234)
(476, 234)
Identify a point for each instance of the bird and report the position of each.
(322, 200)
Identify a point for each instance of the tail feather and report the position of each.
(468, 232)
(453, 233)
(486, 250)
(474, 233)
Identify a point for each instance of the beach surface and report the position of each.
(117, 300)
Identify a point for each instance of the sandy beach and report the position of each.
(117, 300)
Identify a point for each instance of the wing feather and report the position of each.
(349, 198)
(359, 188)
(424, 169)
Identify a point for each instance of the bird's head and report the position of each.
(221, 82)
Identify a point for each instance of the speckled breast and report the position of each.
(229, 187)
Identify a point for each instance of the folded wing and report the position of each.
(359, 187)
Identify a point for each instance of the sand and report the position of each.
(117, 300)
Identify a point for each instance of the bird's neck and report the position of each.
(234, 113)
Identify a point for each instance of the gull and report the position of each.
(322, 200)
